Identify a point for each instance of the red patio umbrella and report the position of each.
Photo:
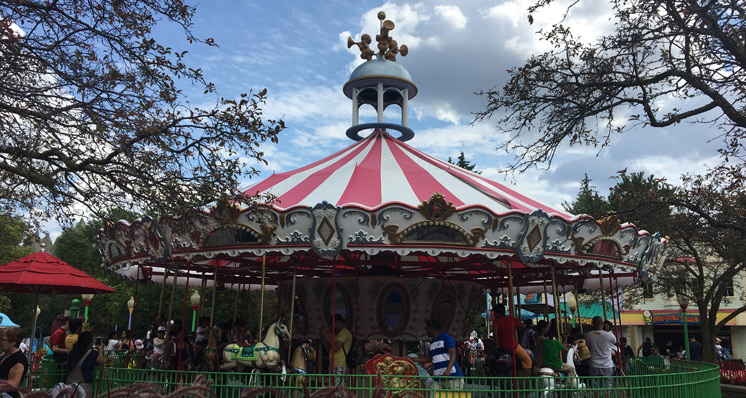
(43, 273)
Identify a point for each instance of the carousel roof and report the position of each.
(382, 170)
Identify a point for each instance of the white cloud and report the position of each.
(511, 12)
(452, 15)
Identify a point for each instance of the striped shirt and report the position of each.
(439, 351)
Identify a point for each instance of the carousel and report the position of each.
(384, 234)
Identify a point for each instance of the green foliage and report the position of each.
(463, 163)
(706, 249)
(588, 201)
(636, 199)
(13, 233)
(109, 97)
(480, 326)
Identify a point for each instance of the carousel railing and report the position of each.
(655, 379)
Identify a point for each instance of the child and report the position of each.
(159, 342)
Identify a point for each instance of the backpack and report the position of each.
(355, 356)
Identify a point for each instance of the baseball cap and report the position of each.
(161, 328)
(138, 344)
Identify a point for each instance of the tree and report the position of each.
(667, 61)
(92, 115)
(76, 246)
(588, 201)
(687, 52)
(13, 233)
(706, 249)
(463, 163)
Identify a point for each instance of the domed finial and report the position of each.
(387, 46)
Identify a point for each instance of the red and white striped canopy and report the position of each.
(381, 170)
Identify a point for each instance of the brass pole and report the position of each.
(214, 293)
(512, 311)
(202, 296)
(546, 301)
(173, 292)
(603, 294)
(556, 301)
(163, 291)
(580, 322)
(261, 303)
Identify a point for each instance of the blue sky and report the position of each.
(297, 50)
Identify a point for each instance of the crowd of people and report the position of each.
(595, 353)
(536, 348)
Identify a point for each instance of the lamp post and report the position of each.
(75, 308)
(36, 344)
(683, 303)
(195, 303)
(86, 301)
(572, 304)
(130, 306)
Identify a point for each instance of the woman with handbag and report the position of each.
(82, 362)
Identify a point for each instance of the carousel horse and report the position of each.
(262, 355)
(552, 379)
(304, 357)
(211, 359)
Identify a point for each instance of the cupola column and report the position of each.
(355, 107)
(405, 108)
(379, 89)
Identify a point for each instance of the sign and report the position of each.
(662, 319)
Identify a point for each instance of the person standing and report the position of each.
(442, 354)
(627, 354)
(601, 344)
(669, 351)
(339, 346)
(695, 349)
(111, 343)
(75, 327)
(57, 341)
(13, 364)
(528, 339)
(126, 342)
(627, 350)
(182, 354)
(646, 347)
(505, 327)
(82, 361)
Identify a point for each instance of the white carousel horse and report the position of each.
(304, 357)
(262, 355)
(549, 376)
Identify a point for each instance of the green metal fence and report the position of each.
(654, 379)
(48, 373)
